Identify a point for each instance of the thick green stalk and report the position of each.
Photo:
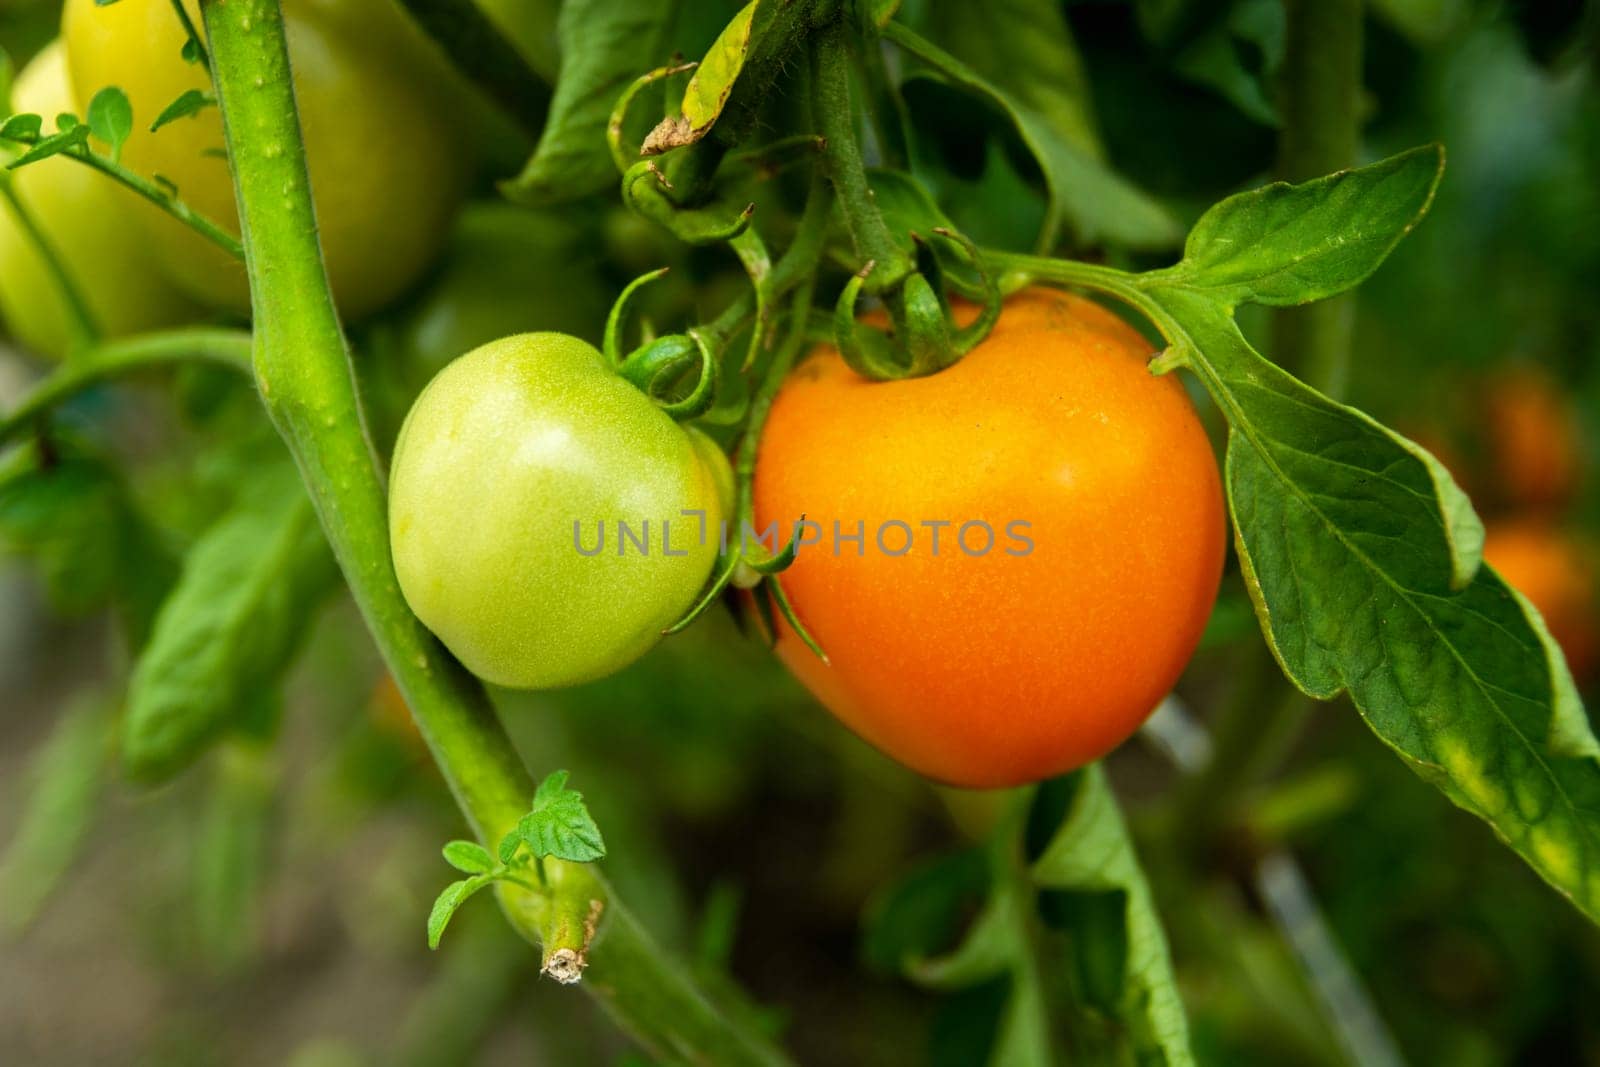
(843, 164)
(304, 374)
(1321, 104)
(227, 348)
(1321, 100)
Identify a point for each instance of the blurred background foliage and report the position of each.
(267, 906)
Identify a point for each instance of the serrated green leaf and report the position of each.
(91, 546)
(189, 102)
(110, 118)
(23, 127)
(558, 824)
(1290, 244)
(1053, 120)
(1362, 558)
(230, 628)
(448, 902)
(468, 857)
(52, 145)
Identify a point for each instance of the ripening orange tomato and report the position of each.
(1041, 535)
(1534, 440)
(1559, 574)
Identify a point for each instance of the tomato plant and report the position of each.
(514, 426)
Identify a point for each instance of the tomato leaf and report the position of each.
(230, 627)
(1021, 74)
(1363, 559)
(558, 824)
(189, 102)
(25, 127)
(111, 118)
(604, 46)
(56, 143)
(1234, 48)
(232, 841)
(1086, 879)
(1090, 870)
(68, 774)
(444, 908)
(711, 85)
(75, 521)
(1290, 244)
(468, 857)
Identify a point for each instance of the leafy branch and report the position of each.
(110, 119)
(557, 825)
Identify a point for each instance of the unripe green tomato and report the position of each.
(511, 479)
(387, 169)
(90, 222)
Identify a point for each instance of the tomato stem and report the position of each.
(842, 162)
(226, 348)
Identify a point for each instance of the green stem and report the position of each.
(81, 327)
(842, 162)
(1321, 102)
(194, 35)
(479, 51)
(163, 198)
(305, 378)
(228, 348)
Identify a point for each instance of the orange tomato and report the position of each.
(1534, 437)
(1044, 652)
(1559, 574)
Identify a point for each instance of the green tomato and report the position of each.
(387, 166)
(92, 224)
(517, 479)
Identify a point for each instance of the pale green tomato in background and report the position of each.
(90, 221)
(507, 449)
(386, 155)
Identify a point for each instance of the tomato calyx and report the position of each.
(922, 339)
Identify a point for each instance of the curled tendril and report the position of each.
(619, 113)
(645, 188)
(865, 350)
(616, 320)
(988, 289)
(656, 366)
